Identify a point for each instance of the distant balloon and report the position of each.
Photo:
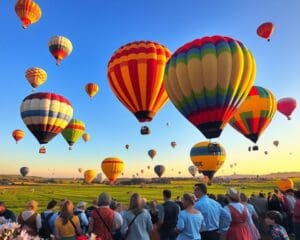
(266, 152)
(276, 143)
(285, 184)
(148, 167)
(255, 148)
(60, 47)
(255, 113)
(89, 176)
(208, 157)
(127, 146)
(265, 30)
(145, 130)
(73, 131)
(36, 76)
(167, 124)
(173, 144)
(112, 167)
(235, 164)
(231, 165)
(28, 11)
(91, 89)
(179, 172)
(18, 135)
(159, 170)
(86, 137)
(193, 170)
(100, 177)
(249, 149)
(142, 171)
(152, 153)
(80, 170)
(286, 106)
(24, 171)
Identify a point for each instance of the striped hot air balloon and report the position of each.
(255, 113)
(112, 167)
(135, 74)
(36, 76)
(60, 47)
(208, 157)
(46, 115)
(73, 131)
(18, 135)
(91, 89)
(207, 79)
(28, 11)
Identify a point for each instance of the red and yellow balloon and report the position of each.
(112, 167)
(18, 135)
(28, 11)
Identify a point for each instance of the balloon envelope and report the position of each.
(276, 143)
(173, 144)
(28, 11)
(193, 170)
(286, 106)
(73, 131)
(89, 176)
(265, 30)
(159, 170)
(60, 47)
(36, 76)
(91, 89)
(24, 171)
(86, 137)
(285, 184)
(18, 135)
(112, 167)
(152, 153)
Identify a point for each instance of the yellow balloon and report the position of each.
(89, 175)
(112, 167)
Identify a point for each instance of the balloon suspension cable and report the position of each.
(70, 148)
(33, 90)
(289, 117)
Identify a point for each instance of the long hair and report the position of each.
(66, 211)
(135, 204)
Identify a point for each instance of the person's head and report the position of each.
(61, 203)
(272, 218)
(274, 197)
(95, 202)
(220, 198)
(81, 205)
(178, 199)
(135, 203)
(118, 207)
(262, 195)
(167, 194)
(113, 205)
(244, 198)
(104, 199)
(297, 194)
(31, 205)
(153, 205)
(144, 201)
(66, 211)
(276, 190)
(51, 205)
(233, 195)
(188, 200)
(200, 189)
(213, 196)
(2, 207)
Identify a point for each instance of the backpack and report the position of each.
(45, 230)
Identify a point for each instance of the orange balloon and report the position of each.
(112, 167)
(86, 137)
(28, 11)
(18, 135)
(89, 175)
(285, 184)
(91, 89)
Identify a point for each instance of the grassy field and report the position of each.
(16, 196)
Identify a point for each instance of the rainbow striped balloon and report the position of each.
(207, 79)
(46, 115)
(73, 131)
(255, 114)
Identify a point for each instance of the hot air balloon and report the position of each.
(286, 106)
(89, 176)
(193, 170)
(231, 165)
(100, 177)
(265, 30)
(46, 115)
(285, 184)
(35, 76)
(86, 137)
(173, 144)
(112, 167)
(235, 164)
(255, 113)
(135, 73)
(266, 152)
(80, 170)
(208, 157)
(159, 170)
(249, 148)
(179, 172)
(148, 167)
(276, 143)
(207, 79)
(18, 135)
(127, 146)
(60, 47)
(142, 171)
(24, 171)
(73, 131)
(152, 153)
(91, 89)
(28, 11)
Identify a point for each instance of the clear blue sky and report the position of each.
(96, 29)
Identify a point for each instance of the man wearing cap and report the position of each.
(217, 220)
(80, 212)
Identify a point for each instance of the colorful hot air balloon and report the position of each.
(265, 30)
(159, 170)
(276, 143)
(173, 144)
(73, 131)
(28, 11)
(24, 171)
(286, 106)
(285, 184)
(255, 113)
(80, 170)
(18, 135)
(207, 79)
(91, 89)
(46, 115)
(151, 153)
(193, 170)
(86, 137)
(112, 167)
(60, 48)
(89, 176)
(208, 157)
(35, 76)
(135, 73)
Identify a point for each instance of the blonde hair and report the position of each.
(33, 205)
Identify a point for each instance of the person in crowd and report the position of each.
(296, 216)
(67, 225)
(290, 204)
(213, 197)
(154, 235)
(168, 215)
(275, 230)
(275, 204)
(103, 220)
(29, 219)
(240, 218)
(80, 212)
(6, 214)
(90, 209)
(137, 220)
(216, 219)
(145, 203)
(116, 207)
(190, 220)
(253, 217)
(221, 199)
(48, 218)
(179, 202)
